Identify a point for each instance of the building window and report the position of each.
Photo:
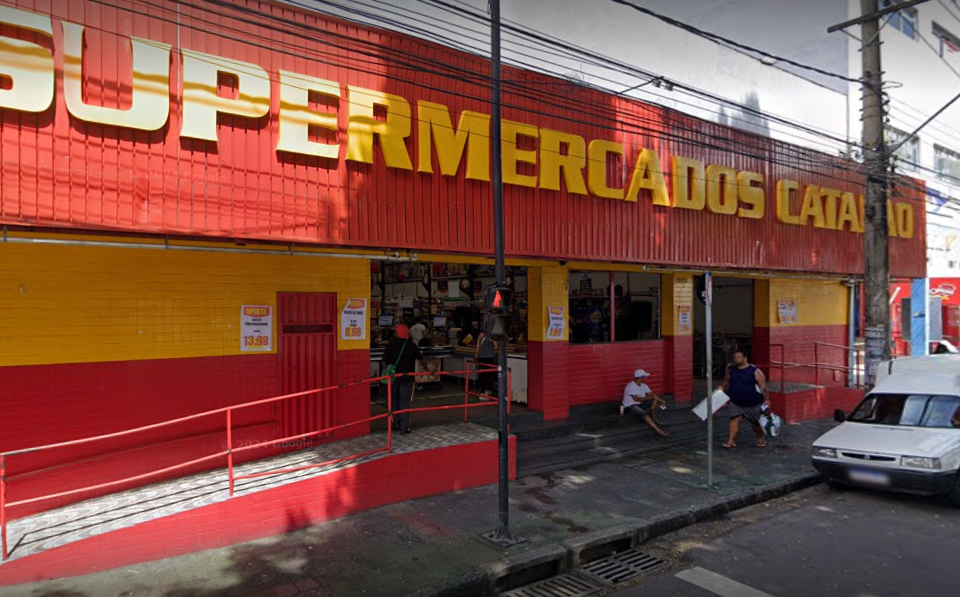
(904, 20)
(946, 162)
(947, 42)
(909, 152)
(635, 312)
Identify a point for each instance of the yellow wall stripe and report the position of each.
(69, 304)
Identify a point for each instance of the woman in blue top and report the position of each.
(747, 388)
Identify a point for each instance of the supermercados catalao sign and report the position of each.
(379, 118)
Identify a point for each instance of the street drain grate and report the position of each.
(565, 585)
(625, 566)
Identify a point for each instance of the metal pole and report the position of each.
(876, 259)
(851, 336)
(230, 448)
(390, 416)
(3, 505)
(708, 307)
(503, 535)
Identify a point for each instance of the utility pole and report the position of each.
(502, 535)
(876, 160)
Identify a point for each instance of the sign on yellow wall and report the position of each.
(256, 328)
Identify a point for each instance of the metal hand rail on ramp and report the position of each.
(230, 450)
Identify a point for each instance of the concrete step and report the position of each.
(609, 446)
(609, 418)
(594, 439)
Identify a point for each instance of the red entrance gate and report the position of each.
(308, 355)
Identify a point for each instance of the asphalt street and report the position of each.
(819, 542)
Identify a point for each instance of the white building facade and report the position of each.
(921, 63)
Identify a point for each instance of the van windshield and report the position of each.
(913, 410)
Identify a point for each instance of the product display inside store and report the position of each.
(447, 300)
(635, 314)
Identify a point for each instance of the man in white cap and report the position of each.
(639, 399)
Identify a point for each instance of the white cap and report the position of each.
(640, 373)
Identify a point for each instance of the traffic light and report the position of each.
(496, 301)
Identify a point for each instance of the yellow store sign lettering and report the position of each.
(532, 157)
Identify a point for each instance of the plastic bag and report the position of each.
(771, 424)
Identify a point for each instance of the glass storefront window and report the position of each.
(614, 307)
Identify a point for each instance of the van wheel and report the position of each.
(954, 495)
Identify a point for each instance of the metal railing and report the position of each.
(854, 374)
(230, 450)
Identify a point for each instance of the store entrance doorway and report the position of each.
(445, 301)
(732, 326)
(308, 353)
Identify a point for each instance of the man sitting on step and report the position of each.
(639, 399)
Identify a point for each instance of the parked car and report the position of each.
(905, 434)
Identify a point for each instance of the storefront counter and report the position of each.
(517, 363)
(439, 353)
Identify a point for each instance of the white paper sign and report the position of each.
(353, 320)
(256, 328)
(684, 326)
(787, 310)
(557, 325)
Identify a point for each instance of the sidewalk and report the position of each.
(400, 549)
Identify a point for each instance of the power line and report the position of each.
(727, 41)
(950, 12)
(453, 42)
(623, 127)
(647, 75)
(833, 163)
(440, 2)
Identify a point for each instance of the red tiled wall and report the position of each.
(547, 389)
(272, 512)
(56, 403)
(561, 375)
(678, 367)
(814, 404)
(798, 347)
(598, 372)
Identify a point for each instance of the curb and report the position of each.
(569, 554)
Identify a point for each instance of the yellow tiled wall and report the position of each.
(547, 286)
(819, 302)
(677, 294)
(68, 304)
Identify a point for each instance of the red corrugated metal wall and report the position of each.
(60, 171)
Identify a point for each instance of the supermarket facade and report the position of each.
(201, 212)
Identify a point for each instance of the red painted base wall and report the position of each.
(598, 372)
(561, 375)
(818, 403)
(57, 403)
(799, 347)
(267, 513)
(678, 367)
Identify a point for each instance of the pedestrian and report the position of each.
(417, 332)
(400, 358)
(747, 388)
(639, 399)
(486, 356)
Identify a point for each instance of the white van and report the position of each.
(904, 435)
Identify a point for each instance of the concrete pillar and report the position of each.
(548, 392)
(677, 330)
